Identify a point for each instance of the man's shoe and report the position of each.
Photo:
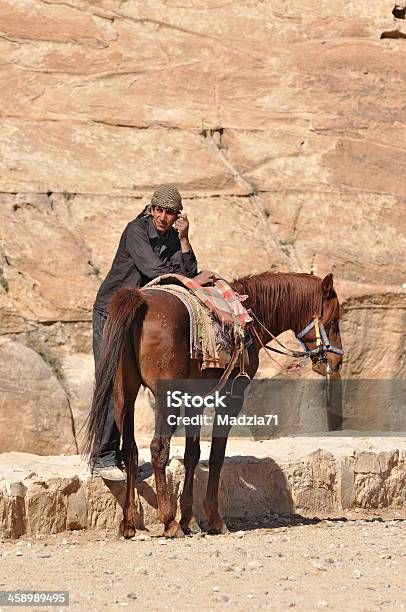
(109, 472)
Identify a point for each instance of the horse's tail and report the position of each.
(122, 310)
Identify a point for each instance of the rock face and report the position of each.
(310, 476)
(281, 124)
(34, 411)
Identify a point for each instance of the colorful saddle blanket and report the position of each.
(217, 318)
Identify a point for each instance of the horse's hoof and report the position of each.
(192, 528)
(127, 531)
(213, 530)
(174, 531)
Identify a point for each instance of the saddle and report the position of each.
(218, 319)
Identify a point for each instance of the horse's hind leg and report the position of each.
(160, 447)
(126, 388)
(130, 457)
(188, 521)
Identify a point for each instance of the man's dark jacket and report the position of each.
(144, 254)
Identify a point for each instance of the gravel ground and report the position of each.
(336, 564)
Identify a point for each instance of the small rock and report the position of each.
(322, 603)
(143, 537)
(386, 556)
(216, 589)
(162, 542)
(357, 574)
(47, 556)
(254, 564)
(222, 599)
(319, 566)
(238, 534)
(19, 553)
(132, 596)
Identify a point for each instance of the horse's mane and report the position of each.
(280, 299)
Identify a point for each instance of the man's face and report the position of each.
(163, 218)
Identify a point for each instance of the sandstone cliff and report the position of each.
(282, 124)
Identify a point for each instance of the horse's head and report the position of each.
(321, 337)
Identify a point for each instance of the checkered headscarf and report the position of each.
(167, 196)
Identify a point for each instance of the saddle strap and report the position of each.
(227, 372)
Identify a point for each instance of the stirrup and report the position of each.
(240, 375)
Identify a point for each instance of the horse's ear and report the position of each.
(327, 286)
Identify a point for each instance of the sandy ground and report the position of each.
(357, 564)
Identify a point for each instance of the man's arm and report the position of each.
(189, 264)
(188, 261)
(141, 251)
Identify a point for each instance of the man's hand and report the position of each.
(205, 278)
(182, 226)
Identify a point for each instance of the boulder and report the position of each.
(34, 411)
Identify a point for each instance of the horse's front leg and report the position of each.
(210, 504)
(217, 454)
(188, 521)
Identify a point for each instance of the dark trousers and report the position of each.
(110, 443)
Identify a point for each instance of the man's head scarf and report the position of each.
(167, 196)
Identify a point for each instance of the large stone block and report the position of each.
(311, 476)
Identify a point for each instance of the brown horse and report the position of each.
(147, 339)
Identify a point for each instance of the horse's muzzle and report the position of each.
(331, 367)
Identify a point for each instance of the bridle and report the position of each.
(323, 345)
(322, 342)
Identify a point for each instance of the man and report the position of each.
(149, 246)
